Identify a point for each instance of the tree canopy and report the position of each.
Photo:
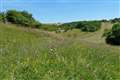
(20, 18)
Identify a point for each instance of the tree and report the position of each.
(89, 26)
(1, 17)
(22, 18)
(115, 20)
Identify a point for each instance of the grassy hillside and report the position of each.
(32, 54)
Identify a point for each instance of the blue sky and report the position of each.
(52, 11)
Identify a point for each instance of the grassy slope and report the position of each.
(27, 54)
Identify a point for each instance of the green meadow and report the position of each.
(35, 54)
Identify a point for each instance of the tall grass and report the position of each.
(27, 54)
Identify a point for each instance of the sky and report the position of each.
(53, 11)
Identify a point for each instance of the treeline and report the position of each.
(115, 20)
(22, 18)
(89, 26)
(86, 26)
(26, 19)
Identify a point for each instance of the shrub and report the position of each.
(115, 20)
(107, 32)
(89, 26)
(2, 17)
(21, 18)
(113, 36)
(104, 20)
(49, 27)
(66, 27)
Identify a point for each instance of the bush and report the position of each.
(115, 20)
(104, 20)
(37, 24)
(66, 27)
(89, 26)
(113, 36)
(21, 18)
(2, 17)
(49, 27)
